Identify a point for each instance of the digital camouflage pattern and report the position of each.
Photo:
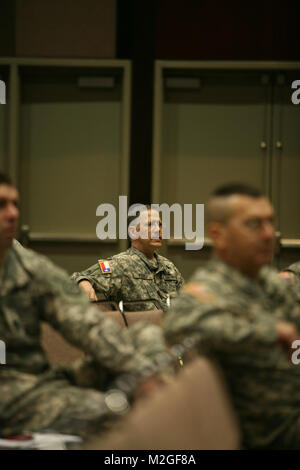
(133, 276)
(233, 319)
(35, 396)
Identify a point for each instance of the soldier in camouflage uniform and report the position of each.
(34, 396)
(136, 274)
(241, 314)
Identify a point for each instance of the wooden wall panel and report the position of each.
(66, 28)
(7, 28)
(204, 30)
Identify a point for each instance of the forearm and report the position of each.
(217, 327)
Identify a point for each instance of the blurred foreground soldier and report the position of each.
(136, 274)
(193, 411)
(34, 396)
(241, 314)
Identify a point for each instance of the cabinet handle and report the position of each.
(263, 145)
(278, 144)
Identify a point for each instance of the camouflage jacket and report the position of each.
(132, 276)
(232, 318)
(32, 290)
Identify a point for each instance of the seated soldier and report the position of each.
(136, 274)
(240, 313)
(35, 396)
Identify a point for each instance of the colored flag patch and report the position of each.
(288, 277)
(104, 266)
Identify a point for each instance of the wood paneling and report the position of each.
(201, 29)
(7, 28)
(66, 28)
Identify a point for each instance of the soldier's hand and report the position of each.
(287, 334)
(87, 287)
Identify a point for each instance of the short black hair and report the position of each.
(5, 179)
(217, 208)
(237, 188)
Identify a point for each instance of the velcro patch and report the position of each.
(199, 291)
(104, 266)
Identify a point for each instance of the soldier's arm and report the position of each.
(215, 326)
(288, 297)
(89, 274)
(291, 304)
(180, 279)
(291, 276)
(68, 310)
(105, 285)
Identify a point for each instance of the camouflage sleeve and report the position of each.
(107, 286)
(214, 326)
(86, 275)
(291, 275)
(67, 309)
(290, 303)
(286, 298)
(180, 279)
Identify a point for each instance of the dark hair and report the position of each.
(237, 188)
(5, 179)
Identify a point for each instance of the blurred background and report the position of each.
(158, 100)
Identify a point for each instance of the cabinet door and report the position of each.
(71, 160)
(212, 135)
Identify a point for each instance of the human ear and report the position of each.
(217, 233)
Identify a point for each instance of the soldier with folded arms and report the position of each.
(34, 395)
(241, 314)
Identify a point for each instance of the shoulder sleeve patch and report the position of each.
(287, 277)
(104, 266)
(199, 291)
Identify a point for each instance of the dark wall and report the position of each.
(58, 28)
(136, 41)
(205, 30)
(7, 28)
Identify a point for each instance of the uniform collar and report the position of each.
(14, 274)
(153, 265)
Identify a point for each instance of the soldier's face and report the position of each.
(150, 229)
(9, 214)
(246, 239)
